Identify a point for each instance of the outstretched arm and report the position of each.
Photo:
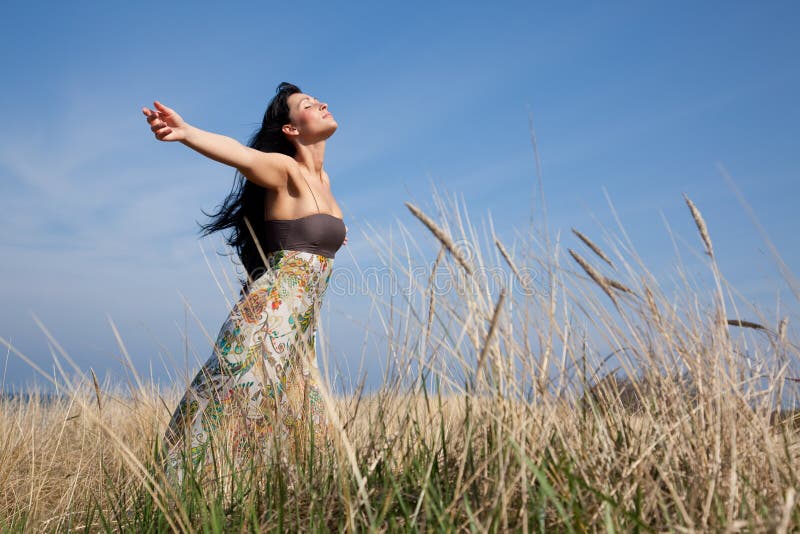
(267, 169)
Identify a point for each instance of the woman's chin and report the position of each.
(332, 128)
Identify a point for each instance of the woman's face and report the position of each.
(310, 119)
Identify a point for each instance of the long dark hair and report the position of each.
(246, 198)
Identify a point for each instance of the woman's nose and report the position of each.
(323, 106)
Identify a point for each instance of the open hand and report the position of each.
(165, 123)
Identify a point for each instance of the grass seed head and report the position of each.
(701, 225)
(594, 247)
(441, 235)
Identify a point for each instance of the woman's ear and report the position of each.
(288, 129)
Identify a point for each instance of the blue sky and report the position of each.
(643, 100)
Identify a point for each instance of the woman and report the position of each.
(257, 386)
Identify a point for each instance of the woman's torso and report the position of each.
(304, 216)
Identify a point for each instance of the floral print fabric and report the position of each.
(257, 384)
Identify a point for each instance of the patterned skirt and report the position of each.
(257, 388)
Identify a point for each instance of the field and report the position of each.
(589, 397)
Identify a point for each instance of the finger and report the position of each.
(164, 132)
(156, 129)
(161, 107)
(150, 114)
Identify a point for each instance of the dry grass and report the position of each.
(499, 413)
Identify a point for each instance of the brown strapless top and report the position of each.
(318, 233)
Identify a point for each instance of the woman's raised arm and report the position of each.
(267, 169)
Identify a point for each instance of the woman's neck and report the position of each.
(311, 157)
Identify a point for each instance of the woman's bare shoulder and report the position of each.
(272, 169)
